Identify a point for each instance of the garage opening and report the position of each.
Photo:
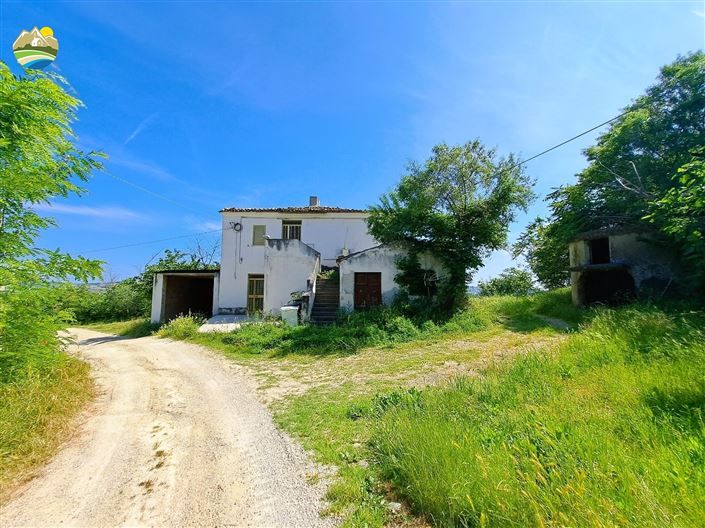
(186, 294)
(610, 287)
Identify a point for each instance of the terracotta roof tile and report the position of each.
(319, 209)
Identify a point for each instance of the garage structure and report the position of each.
(183, 292)
(611, 266)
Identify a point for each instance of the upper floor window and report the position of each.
(291, 229)
(600, 251)
(258, 232)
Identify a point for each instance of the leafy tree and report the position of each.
(457, 205)
(512, 281)
(630, 171)
(680, 214)
(173, 259)
(547, 259)
(634, 161)
(38, 162)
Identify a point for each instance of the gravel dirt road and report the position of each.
(177, 437)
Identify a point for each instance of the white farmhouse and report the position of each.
(316, 257)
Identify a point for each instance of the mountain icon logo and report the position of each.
(36, 49)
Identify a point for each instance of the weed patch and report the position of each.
(36, 412)
(605, 430)
(129, 328)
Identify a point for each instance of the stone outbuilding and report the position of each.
(615, 265)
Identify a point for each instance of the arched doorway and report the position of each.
(611, 287)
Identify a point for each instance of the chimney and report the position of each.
(313, 201)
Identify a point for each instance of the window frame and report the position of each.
(255, 300)
(261, 241)
(288, 226)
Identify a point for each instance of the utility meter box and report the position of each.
(290, 315)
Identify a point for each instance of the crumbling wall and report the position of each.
(652, 267)
(383, 260)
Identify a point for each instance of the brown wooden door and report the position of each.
(368, 290)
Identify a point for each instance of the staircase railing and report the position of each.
(309, 297)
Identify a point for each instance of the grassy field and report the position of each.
(36, 415)
(603, 429)
(328, 386)
(497, 417)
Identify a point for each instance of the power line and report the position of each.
(519, 164)
(148, 191)
(554, 147)
(153, 241)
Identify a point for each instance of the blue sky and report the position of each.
(215, 104)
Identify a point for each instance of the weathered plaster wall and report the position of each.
(383, 260)
(327, 234)
(652, 267)
(157, 298)
(288, 264)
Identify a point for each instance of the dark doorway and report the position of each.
(368, 290)
(188, 294)
(600, 251)
(608, 287)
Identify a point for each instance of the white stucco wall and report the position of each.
(326, 233)
(157, 298)
(159, 292)
(381, 259)
(288, 265)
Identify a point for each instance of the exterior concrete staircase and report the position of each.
(327, 300)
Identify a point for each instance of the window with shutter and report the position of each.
(258, 232)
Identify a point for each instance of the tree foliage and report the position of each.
(39, 162)
(512, 281)
(458, 206)
(132, 297)
(546, 259)
(680, 214)
(630, 176)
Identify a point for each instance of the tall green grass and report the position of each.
(386, 326)
(37, 409)
(607, 430)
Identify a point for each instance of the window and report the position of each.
(258, 232)
(255, 294)
(600, 251)
(291, 229)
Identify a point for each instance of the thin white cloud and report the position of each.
(209, 226)
(700, 14)
(199, 224)
(106, 212)
(143, 124)
(144, 167)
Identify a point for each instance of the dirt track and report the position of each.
(177, 437)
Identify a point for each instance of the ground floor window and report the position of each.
(255, 294)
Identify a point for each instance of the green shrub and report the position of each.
(182, 327)
(605, 430)
(28, 328)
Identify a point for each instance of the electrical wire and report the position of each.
(147, 242)
(554, 147)
(148, 191)
(519, 164)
